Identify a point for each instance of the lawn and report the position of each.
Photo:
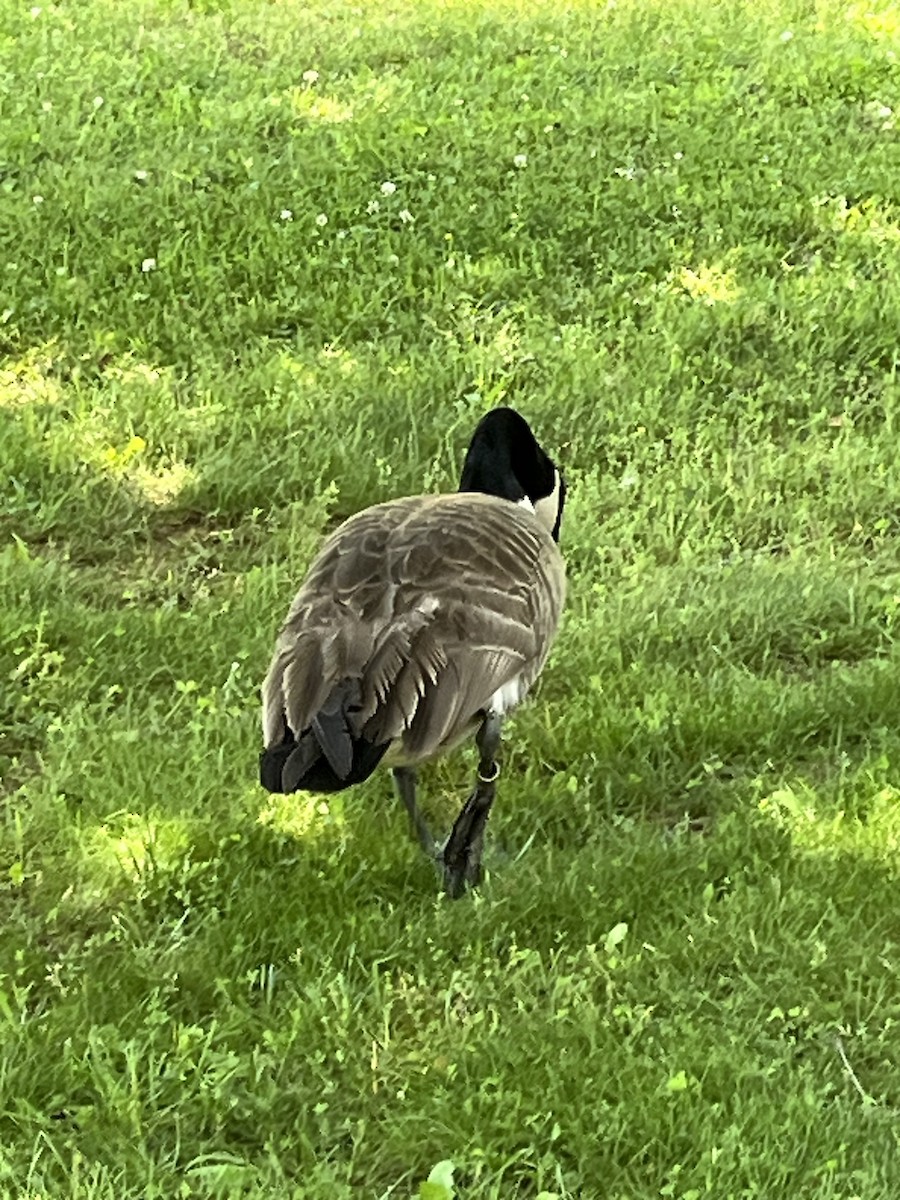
(264, 264)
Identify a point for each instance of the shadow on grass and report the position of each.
(351, 980)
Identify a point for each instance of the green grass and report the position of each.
(669, 234)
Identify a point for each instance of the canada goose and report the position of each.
(420, 621)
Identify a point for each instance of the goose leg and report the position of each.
(462, 853)
(405, 783)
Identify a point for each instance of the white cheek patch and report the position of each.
(526, 503)
(547, 509)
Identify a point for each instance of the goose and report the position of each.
(420, 622)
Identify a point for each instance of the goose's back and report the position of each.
(433, 607)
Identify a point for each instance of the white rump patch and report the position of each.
(507, 697)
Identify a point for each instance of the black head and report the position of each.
(504, 459)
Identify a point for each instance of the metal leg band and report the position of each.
(492, 777)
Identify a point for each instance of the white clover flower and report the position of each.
(310, 77)
(393, 260)
(321, 220)
(882, 113)
(520, 161)
(787, 35)
(98, 102)
(47, 106)
(388, 188)
(148, 265)
(678, 156)
(141, 176)
(286, 215)
(372, 207)
(35, 12)
(406, 216)
(37, 199)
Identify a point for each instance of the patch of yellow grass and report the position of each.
(135, 844)
(299, 815)
(709, 283)
(26, 380)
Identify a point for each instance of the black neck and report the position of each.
(505, 460)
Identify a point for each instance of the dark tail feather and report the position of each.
(331, 728)
(278, 764)
(327, 757)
